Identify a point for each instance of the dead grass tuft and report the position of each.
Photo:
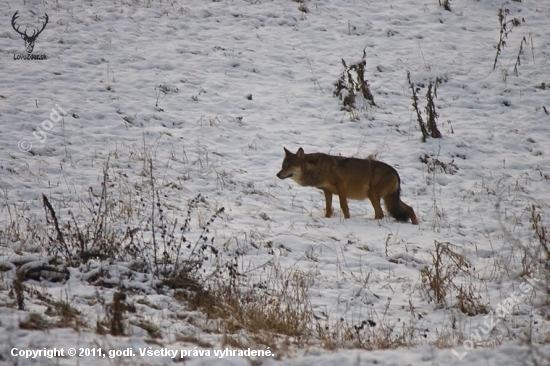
(34, 321)
(438, 280)
(269, 313)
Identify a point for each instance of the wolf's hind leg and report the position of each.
(375, 201)
(343, 201)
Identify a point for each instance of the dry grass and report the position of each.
(368, 334)
(58, 314)
(269, 314)
(67, 316)
(34, 321)
(439, 280)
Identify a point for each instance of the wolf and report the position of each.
(351, 178)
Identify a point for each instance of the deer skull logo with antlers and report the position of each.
(29, 40)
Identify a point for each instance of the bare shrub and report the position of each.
(352, 84)
(428, 129)
(506, 27)
(127, 226)
(445, 4)
(435, 165)
(438, 280)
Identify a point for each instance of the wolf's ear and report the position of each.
(287, 153)
(300, 153)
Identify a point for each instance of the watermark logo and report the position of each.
(502, 309)
(25, 145)
(29, 40)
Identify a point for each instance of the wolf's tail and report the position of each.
(398, 209)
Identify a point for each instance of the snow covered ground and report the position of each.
(203, 96)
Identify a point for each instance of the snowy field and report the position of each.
(141, 105)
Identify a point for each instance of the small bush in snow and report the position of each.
(352, 84)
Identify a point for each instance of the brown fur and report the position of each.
(351, 178)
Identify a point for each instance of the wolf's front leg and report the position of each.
(328, 202)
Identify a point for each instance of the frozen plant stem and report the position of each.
(311, 68)
(415, 105)
(153, 216)
(502, 13)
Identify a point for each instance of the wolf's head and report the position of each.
(292, 165)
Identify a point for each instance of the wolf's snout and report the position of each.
(280, 175)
